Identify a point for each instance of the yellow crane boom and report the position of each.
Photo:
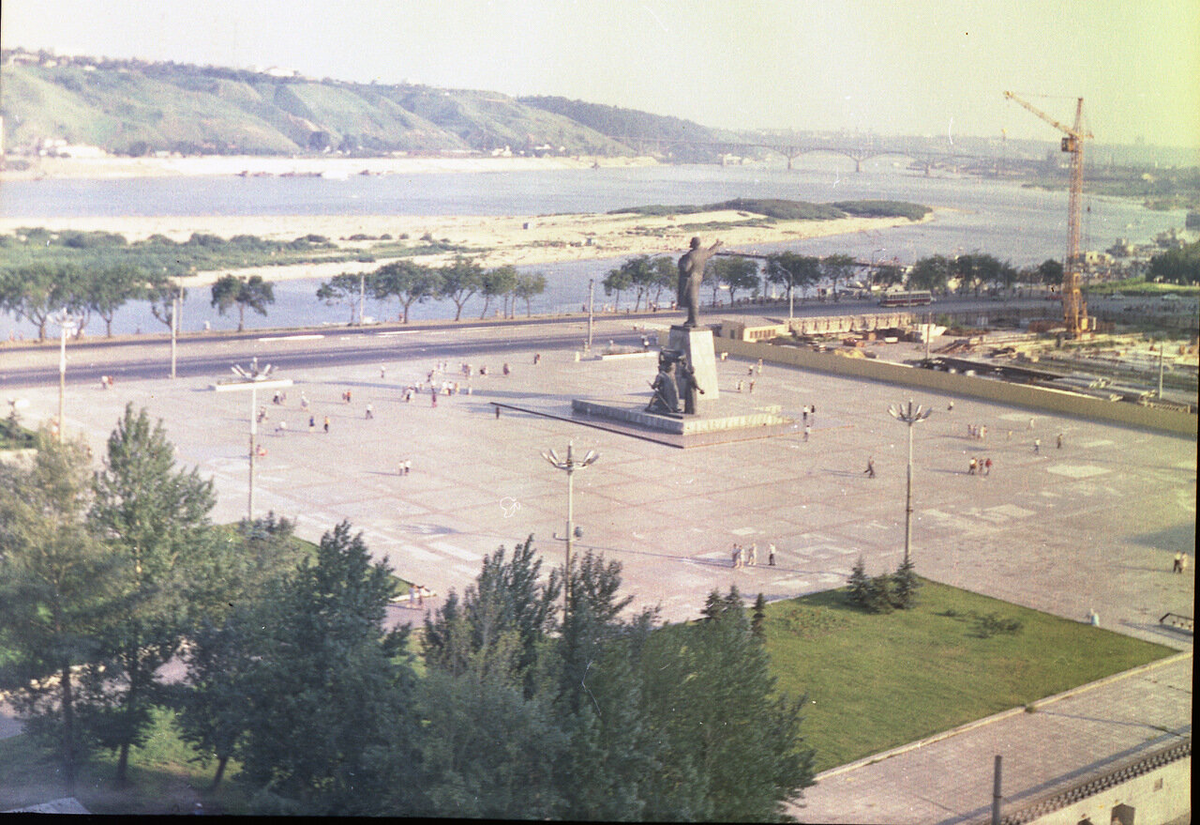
(1074, 305)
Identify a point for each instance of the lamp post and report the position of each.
(252, 378)
(67, 323)
(910, 415)
(591, 311)
(570, 465)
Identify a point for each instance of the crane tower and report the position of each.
(1074, 305)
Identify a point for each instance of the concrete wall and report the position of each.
(1161, 796)
(1018, 395)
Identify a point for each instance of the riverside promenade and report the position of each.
(1091, 526)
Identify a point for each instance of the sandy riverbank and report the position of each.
(494, 241)
(110, 168)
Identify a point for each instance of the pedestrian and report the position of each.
(950, 406)
(326, 424)
(407, 465)
(807, 431)
(1093, 618)
(506, 369)
(1178, 568)
(103, 382)
(973, 467)
(433, 395)
(870, 471)
(497, 412)
(347, 396)
(770, 555)
(1058, 442)
(987, 466)
(751, 386)
(303, 401)
(983, 432)
(537, 358)
(759, 368)
(382, 372)
(739, 385)
(804, 412)
(370, 412)
(734, 556)
(752, 556)
(749, 370)
(1037, 445)
(483, 370)
(1031, 423)
(812, 413)
(281, 428)
(312, 423)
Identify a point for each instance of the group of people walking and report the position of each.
(748, 557)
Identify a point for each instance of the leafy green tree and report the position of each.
(330, 694)
(860, 585)
(932, 273)
(1050, 272)
(495, 283)
(529, 285)
(666, 275)
(156, 519)
(57, 588)
(344, 288)
(252, 292)
(837, 268)
(737, 274)
(161, 293)
(34, 292)
(758, 618)
(886, 275)
(793, 271)
(460, 279)
(1177, 266)
(407, 281)
(110, 289)
(616, 281)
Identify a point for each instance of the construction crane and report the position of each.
(1074, 305)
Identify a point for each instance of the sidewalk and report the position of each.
(1061, 743)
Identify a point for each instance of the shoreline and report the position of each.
(514, 240)
(336, 168)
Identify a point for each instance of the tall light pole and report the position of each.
(570, 465)
(591, 313)
(67, 323)
(252, 378)
(910, 415)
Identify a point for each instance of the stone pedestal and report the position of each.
(696, 344)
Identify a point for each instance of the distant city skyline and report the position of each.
(937, 67)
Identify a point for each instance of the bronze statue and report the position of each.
(691, 272)
(688, 387)
(666, 399)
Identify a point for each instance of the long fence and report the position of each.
(1018, 395)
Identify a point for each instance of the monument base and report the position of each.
(696, 344)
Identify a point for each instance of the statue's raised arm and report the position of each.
(691, 272)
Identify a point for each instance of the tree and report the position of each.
(111, 289)
(253, 292)
(156, 519)
(529, 286)
(886, 275)
(837, 268)
(1177, 266)
(730, 747)
(792, 271)
(409, 282)
(34, 292)
(1050, 272)
(666, 274)
(496, 282)
(931, 273)
(905, 584)
(860, 584)
(330, 694)
(736, 273)
(758, 619)
(57, 587)
(616, 281)
(460, 279)
(161, 292)
(343, 288)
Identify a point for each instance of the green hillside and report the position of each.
(135, 108)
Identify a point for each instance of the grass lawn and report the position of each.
(878, 681)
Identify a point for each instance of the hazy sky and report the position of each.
(919, 67)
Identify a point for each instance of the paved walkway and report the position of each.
(1091, 526)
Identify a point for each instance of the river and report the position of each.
(1021, 225)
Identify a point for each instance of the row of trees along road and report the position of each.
(523, 711)
(457, 281)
